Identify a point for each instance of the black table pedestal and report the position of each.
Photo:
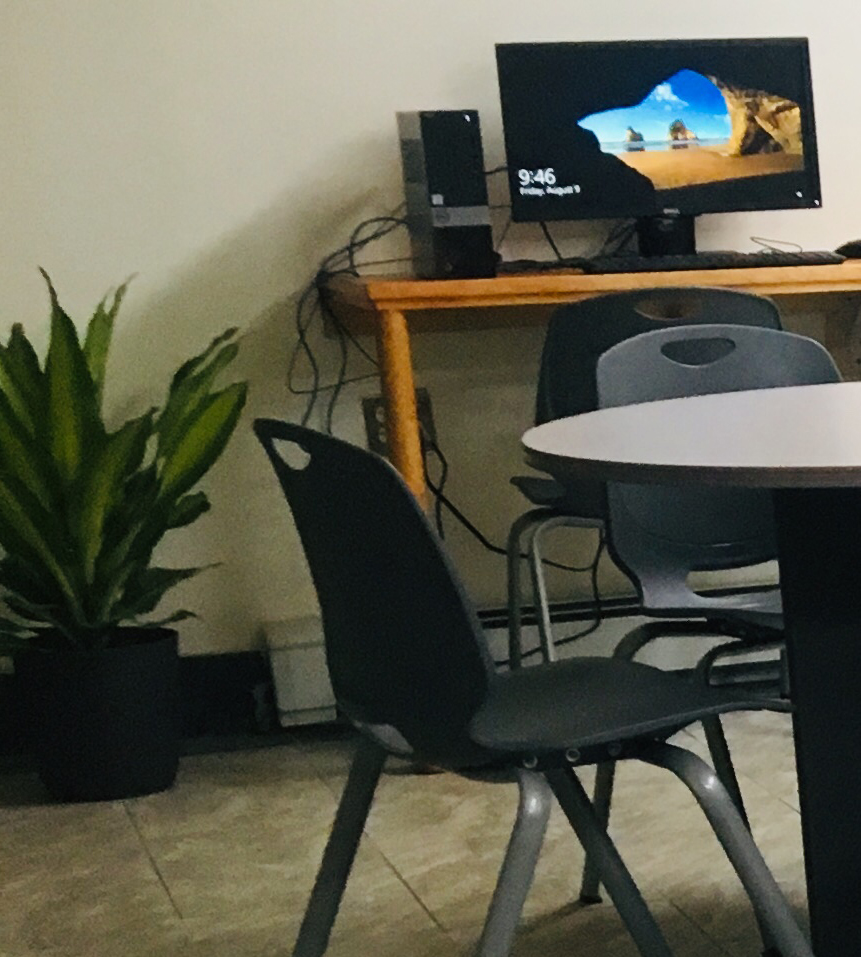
(819, 533)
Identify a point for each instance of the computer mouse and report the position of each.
(851, 250)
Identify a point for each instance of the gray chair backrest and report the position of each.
(658, 534)
(580, 332)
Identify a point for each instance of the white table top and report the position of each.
(802, 436)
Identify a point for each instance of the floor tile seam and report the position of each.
(369, 838)
(718, 946)
(151, 858)
(744, 776)
(773, 795)
(791, 807)
(416, 897)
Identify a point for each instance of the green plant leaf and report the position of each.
(24, 459)
(98, 338)
(185, 397)
(146, 590)
(11, 627)
(196, 362)
(43, 615)
(74, 424)
(203, 440)
(103, 485)
(130, 555)
(17, 577)
(187, 510)
(131, 532)
(22, 380)
(181, 615)
(29, 531)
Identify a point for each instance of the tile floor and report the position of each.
(221, 864)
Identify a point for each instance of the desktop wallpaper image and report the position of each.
(693, 129)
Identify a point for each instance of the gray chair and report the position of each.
(411, 670)
(660, 535)
(578, 333)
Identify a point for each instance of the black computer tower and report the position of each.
(446, 193)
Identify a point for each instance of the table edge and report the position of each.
(642, 473)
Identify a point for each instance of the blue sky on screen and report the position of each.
(686, 96)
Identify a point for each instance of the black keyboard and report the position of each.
(515, 266)
(708, 260)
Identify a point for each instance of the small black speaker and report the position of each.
(446, 192)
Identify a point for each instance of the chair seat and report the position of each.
(540, 490)
(593, 701)
(577, 498)
(760, 610)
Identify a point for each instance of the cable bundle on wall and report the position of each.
(314, 304)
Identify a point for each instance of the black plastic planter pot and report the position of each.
(104, 725)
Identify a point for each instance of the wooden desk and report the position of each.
(805, 444)
(383, 305)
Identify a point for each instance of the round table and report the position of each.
(803, 442)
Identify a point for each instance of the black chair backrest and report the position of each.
(578, 333)
(403, 644)
(660, 534)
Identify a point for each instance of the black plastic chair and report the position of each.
(659, 535)
(577, 335)
(411, 670)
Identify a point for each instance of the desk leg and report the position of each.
(819, 533)
(399, 394)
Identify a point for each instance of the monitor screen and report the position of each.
(645, 128)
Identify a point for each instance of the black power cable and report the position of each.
(312, 303)
(315, 301)
(441, 499)
(439, 494)
(550, 240)
(618, 237)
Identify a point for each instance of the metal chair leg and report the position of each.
(515, 599)
(539, 588)
(536, 567)
(518, 866)
(590, 885)
(772, 910)
(618, 881)
(722, 763)
(340, 851)
(717, 743)
(631, 643)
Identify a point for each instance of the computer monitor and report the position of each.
(659, 131)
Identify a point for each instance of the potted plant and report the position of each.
(82, 507)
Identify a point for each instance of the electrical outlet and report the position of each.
(374, 412)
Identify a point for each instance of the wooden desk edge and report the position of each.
(403, 294)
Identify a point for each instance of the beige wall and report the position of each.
(219, 148)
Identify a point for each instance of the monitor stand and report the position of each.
(667, 234)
